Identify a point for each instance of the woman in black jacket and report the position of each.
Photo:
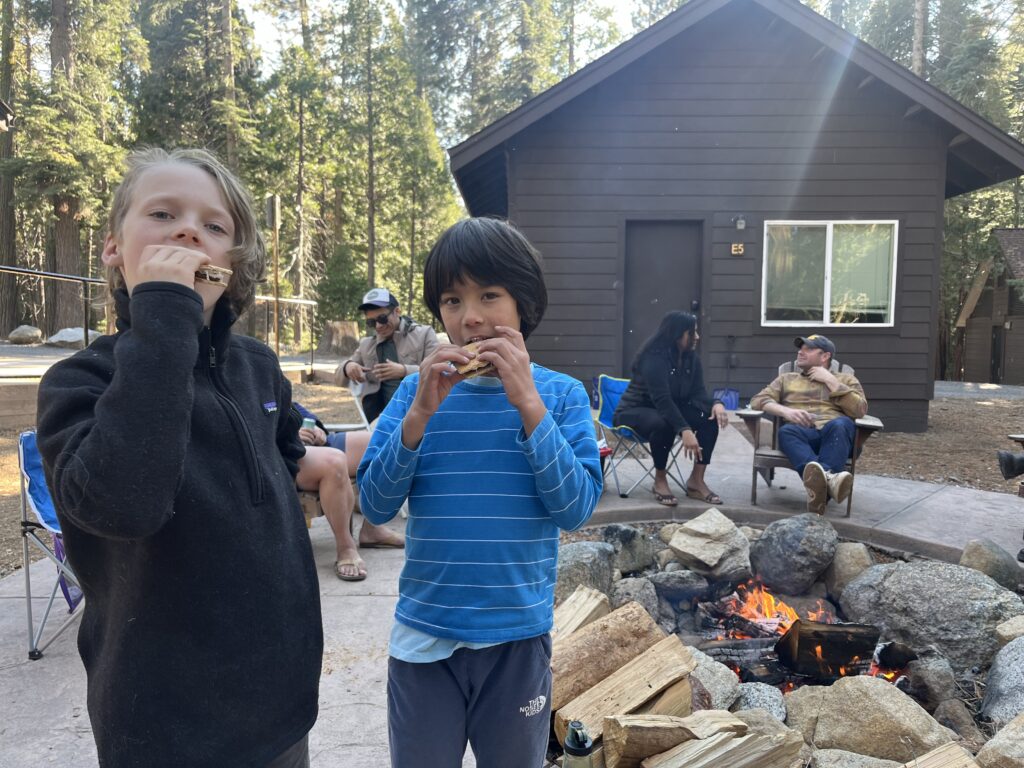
(667, 397)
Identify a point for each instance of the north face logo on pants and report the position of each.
(535, 707)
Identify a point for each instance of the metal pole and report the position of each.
(274, 222)
(85, 314)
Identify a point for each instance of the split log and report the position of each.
(675, 701)
(740, 652)
(726, 750)
(825, 651)
(950, 755)
(627, 688)
(628, 739)
(586, 657)
(582, 607)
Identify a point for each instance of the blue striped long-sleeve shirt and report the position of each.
(485, 505)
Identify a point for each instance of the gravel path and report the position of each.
(970, 391)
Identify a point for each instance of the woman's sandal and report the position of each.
(667, 499)
(710, 498)
(357, 563)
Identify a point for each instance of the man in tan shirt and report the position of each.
(820, 408)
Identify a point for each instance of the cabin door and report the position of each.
(662, 273)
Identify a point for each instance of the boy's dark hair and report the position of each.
(488, 251)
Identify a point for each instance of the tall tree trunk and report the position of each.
(8, 257)
(572, 37)
(371, 171)
(920, 25)
(228, 61)
(300, 216)
(410, 292)
(836, 11)
(64, 308)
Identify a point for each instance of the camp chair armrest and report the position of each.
(869, 423)
(752, 421)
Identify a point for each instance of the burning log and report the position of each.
(826, 651)
(950, 755)
(582, 607)
(629, 687)
(586, 657)
(740, 652)
(628, 739)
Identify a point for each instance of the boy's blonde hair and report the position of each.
(249, 255)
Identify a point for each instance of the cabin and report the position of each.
(752, 162)
(993, 316)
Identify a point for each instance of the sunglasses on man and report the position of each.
(373, 322)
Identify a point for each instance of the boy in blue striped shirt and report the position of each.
(493, 468)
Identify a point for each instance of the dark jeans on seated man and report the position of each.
(831, 446)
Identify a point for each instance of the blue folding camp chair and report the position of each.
(35, 496)
(627, 444)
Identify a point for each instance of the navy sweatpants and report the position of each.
(497, 699)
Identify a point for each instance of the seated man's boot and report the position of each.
(1010, 464)
(816, 485)
(839, 485)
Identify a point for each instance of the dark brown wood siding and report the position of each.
(978, 349)
(736, 116)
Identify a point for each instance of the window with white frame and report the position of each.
(829, 273)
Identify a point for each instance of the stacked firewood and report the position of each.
(620, 675)
(629, 684)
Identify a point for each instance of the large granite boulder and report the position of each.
(792, 553)
(954, 609)
(584, 562)
(857, 710)
(1004, 686)
(712, 545)
(26, 334)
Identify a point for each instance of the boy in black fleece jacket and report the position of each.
(171, 453)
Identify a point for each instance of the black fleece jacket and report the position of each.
(664, 381)
(170, 452)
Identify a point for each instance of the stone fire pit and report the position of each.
(956, 633)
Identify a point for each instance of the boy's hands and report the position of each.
(169, 263)
(507, 352)
(437, 377)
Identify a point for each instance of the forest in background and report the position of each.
(348, 120)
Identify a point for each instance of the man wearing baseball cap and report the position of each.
(819, 408)
(395, 348)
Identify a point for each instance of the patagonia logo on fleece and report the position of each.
(534, 706)
(270, 407)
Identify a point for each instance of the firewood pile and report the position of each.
(629, 683)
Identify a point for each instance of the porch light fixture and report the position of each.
(739, 221)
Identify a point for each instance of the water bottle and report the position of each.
(308, 423)
(578, 747)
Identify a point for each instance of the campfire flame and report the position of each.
(753, 601)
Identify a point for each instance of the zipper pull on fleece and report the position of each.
(213, 357)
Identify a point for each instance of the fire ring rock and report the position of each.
(954, 609)
(1004, 686)
(792, 553)
(584, 562)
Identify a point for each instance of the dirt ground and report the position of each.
(328, 402)
(958, 449)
